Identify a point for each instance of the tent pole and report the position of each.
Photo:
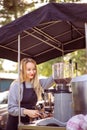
(19, 75)
(86, 41)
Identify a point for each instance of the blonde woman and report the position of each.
(30, 87)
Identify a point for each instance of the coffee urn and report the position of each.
(79, 93)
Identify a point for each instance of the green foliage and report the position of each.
(78, 57)
(1, 62)
(45, 68)
(12, 9)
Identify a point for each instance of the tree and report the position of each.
(79, 63)
(80, 58)
(1, 62)
(12, 9)
(45, 68)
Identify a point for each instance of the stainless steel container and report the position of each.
(63, 106)
(79, 94)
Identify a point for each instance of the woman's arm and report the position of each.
(46, 83)
(13, 103)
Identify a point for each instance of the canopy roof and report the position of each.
(46, 33)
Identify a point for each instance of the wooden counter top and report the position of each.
(32, 127)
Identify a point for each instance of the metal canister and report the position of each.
(79, 94)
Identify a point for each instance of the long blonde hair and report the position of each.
(35, 81)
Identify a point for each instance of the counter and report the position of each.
(32, 127)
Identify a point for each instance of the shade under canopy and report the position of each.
(46, 33)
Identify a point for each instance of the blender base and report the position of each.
(50, 121)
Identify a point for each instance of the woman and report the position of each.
(30, 87)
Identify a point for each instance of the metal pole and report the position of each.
(86, 41)
(19, 75)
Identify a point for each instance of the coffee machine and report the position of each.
(62, 98)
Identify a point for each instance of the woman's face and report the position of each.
(30, 70)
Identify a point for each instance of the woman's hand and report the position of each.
(32, 113)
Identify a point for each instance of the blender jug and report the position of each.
(62, 97)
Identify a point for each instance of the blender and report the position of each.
(62, 97)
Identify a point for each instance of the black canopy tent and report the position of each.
(46, 33)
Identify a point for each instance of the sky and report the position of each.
(9, 65)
